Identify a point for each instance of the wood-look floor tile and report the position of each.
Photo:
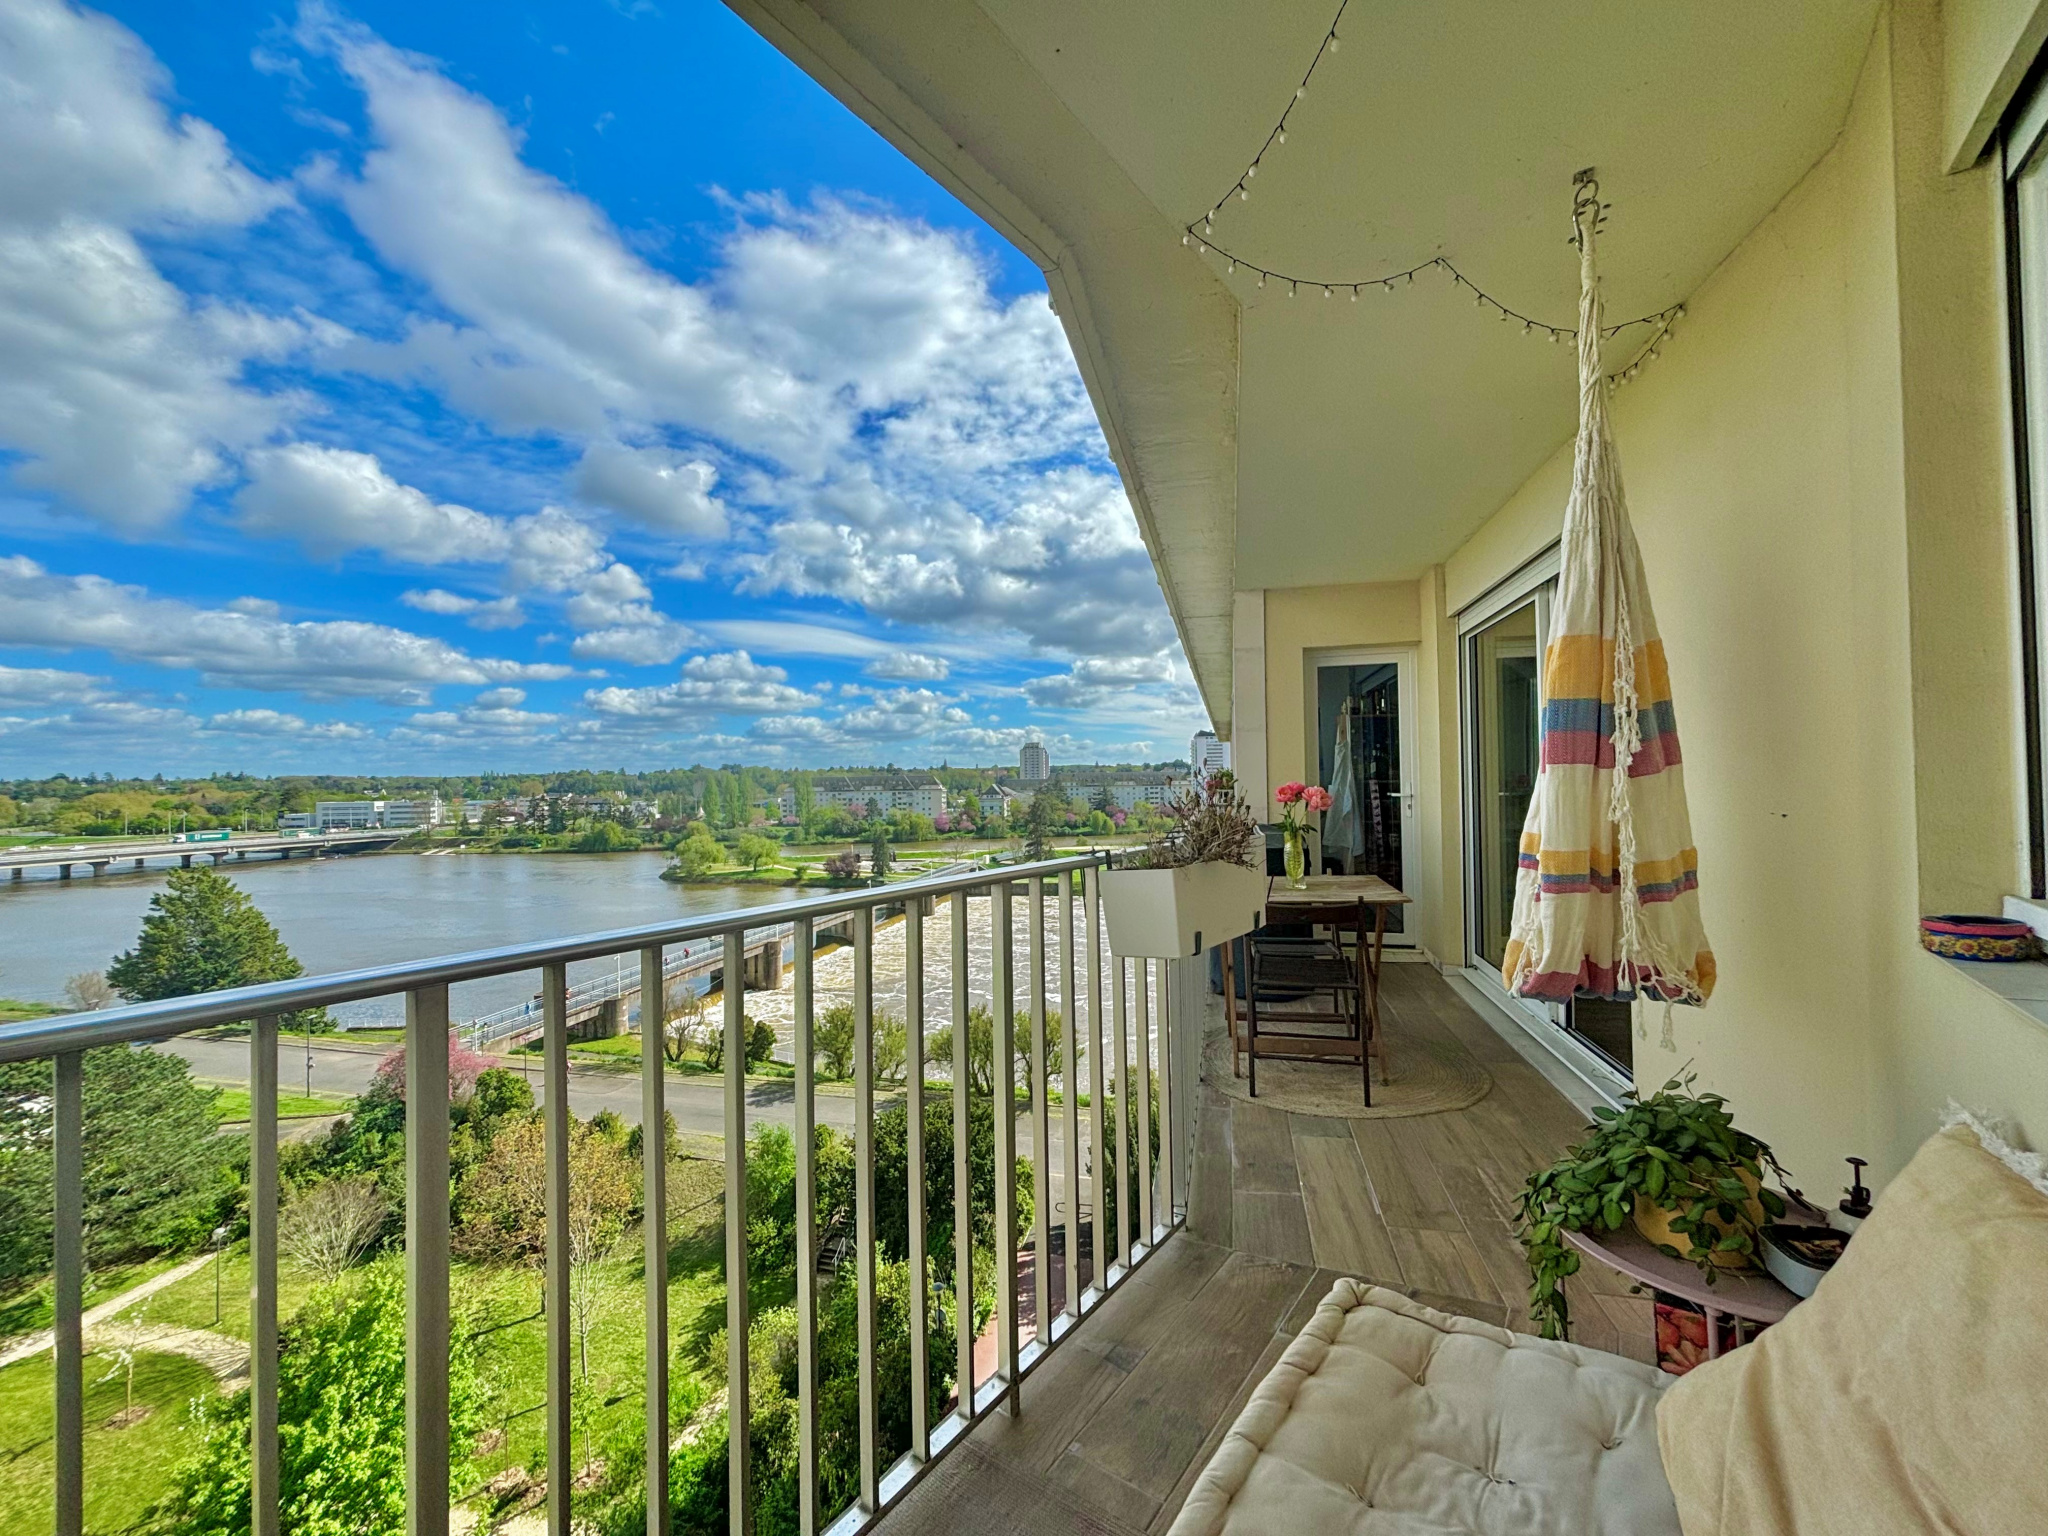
(1345, 1226)
(1169, 1507)
(1262, 1150)
(1433, 1260)
(1271, 1224)
(1406, 1186)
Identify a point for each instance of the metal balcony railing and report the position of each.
(1146, 1055)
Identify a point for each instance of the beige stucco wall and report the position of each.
(1988, 45)
(1815, 469)
(1304, 619)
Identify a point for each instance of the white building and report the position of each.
(919, 792)
(1207, 755)
(295, 821)
(1034, 763)
(331, 815)
(1127, 791)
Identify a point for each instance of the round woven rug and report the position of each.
(1429, 1078)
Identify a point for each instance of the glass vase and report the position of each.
(1297, 858)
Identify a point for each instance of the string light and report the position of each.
(1660, 324)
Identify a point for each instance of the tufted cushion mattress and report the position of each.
(1385, 1418)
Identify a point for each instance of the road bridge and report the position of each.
(102, 857)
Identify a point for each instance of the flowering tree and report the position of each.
(464, 1065)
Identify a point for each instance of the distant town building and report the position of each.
(1034, 764)
(892, 791)
(1126, 791)
(335, 815)
(295, 821)
(1207, 755)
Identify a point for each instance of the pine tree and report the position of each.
(203, 934)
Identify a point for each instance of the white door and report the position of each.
(1362, 714)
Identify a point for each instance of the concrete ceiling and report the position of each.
(1269, 441)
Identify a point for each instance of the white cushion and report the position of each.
(1386, 1418)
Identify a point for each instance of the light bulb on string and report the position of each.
(1262, 279)
(1326, 290)
(1251, 170)
(1233, 267)
(1281, 137)
(1184, 239)
(1354, 293)
(1333, 42)
(1244, 194)
(1202, 246)
(1301, 90)
(1291, 286)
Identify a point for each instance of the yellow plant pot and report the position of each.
(1655, 1224)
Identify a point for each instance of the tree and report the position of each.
(203, 934)
(605, 837)
(341, 1422)
(981, 1049)
(330, 1225)
(503, 1201)
(698, 853)
(157, 1176)
(760, 1041)
(756, 850)
(835, 1032)
(90, 990)
(842, 866)
(1046, 815)
(879, 856)
(806, 796)
(709, 1038)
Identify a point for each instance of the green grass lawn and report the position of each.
(125, 1468)
(128, 1469)
(13, 1010)
(29, 1311)
(233, 1104)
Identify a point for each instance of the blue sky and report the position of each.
(470, 386)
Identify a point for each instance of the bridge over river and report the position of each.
(102, 857)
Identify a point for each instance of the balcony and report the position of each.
(1095, 1389)
(1112, 1431)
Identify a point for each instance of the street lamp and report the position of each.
(220, 1248)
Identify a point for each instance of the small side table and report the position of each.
(1749, 1294)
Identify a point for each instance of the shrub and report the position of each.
(341, 1422)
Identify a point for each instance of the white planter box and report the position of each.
(1166, 913)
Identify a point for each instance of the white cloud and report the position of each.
(500, 723)
(781, 637)
(1093, 679)
(41, 686)
(908, 667)
(494, 613)
(332, 659)
(87, 135)
(333, 500)
(123, 396)
(729, 683)
(656, 487)
(500, 698)
(280, 723)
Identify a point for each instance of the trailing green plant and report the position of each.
(1677, 1151)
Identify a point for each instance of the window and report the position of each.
(2026, 210)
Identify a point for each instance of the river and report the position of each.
(368, 909)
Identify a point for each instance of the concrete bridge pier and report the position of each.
(18, 870)
(184, 861)
(138, 865)
(99, 866)
(63, 871)
(762, 971)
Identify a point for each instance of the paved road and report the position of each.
(697, 1105)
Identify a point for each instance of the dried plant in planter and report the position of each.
(1209, 824)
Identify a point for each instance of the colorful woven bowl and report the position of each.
(1978, 938)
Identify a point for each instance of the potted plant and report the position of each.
(1298, 799)
(1676, 1166)
(1197, 885)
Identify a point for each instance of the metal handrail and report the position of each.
(1150, 1198)
(35, 1038)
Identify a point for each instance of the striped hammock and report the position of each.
(1607, 893)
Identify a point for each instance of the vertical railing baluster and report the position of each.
(804, 1050)
(1143, 1025)
(963, 1173)
(1098, 1148)
(1070, 1095)
(1126, 1107)
(654, 1225)
(1002, 1002)
(920, 1281)
(864, 1191)
(263, 1276)
(738, 1315)
(554, 987)
(426, 1262)
(1168, 1146)
(68, 1290)
(1041, 1120)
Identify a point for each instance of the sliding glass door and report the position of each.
(1503, 692)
